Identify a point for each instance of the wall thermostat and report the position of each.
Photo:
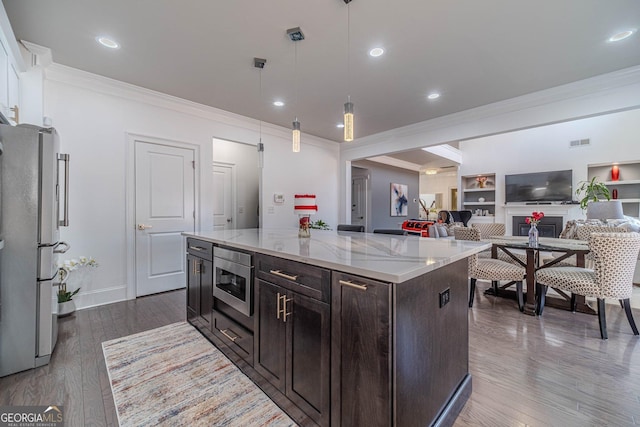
(278, 198)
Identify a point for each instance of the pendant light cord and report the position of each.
(295, 76)
(260, 108)
(348, 51)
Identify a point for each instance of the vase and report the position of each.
(304, 229)
(615, 173)
(533, 236)
(66, 308)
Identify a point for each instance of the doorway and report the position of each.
(236, 185)
(359, 196)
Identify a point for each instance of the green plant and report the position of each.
(64, 295)
(592, 191)
(319, 225)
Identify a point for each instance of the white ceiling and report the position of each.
(473, 52)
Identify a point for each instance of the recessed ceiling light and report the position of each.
(278, 103)
(434, 95)
(340, 125)
(621, 35)
(107, 42)
(376, 51)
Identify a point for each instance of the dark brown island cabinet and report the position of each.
(199, 280)
(337, 349)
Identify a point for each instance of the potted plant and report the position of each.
(66, 305)
(592, 191)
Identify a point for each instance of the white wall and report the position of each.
(94, 116)
(614, 138)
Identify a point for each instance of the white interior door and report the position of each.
(165, 207)
(222, 197)
(359, 201)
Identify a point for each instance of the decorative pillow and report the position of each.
(442, 230)
(453, 225)
(571, 228)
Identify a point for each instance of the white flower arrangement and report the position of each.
(70, 265)
(65, 268)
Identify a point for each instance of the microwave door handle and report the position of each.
(65, 221)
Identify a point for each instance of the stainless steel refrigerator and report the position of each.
(33, 206)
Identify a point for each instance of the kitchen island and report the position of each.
(342, 329)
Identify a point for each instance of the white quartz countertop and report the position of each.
(383, 257)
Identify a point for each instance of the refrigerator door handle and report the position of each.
(63, 250)
(65, 221)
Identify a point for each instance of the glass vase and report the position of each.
(533, 236)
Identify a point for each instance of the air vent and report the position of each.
(579, 142)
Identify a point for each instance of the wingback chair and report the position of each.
(489, 268)
(614, 256)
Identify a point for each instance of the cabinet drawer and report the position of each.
(200, 248)
(309, 280)
(235, 336)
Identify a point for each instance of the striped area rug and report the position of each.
(173, 376)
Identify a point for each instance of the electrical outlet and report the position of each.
(444, 297)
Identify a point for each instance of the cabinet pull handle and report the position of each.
(281, 274)
(224, 332)
(195, 269)
(278, 309)
(197, 248)
(285, 300)
(353, 285)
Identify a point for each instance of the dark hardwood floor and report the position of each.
(548, 371)
(77, 377)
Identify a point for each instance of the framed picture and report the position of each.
(399, 200)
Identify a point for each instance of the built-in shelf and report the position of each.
(472, 192)
(627, 188)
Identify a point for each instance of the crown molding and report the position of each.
(92, 82)
(586, 90)
(392, 161)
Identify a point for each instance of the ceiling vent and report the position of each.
(579, 143)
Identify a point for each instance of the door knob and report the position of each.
(144, 227)
(228, 219)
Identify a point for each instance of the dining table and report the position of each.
(539, 256)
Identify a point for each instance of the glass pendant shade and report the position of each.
(348, 121)
(296, 136)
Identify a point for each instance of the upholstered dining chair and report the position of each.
(582, 233)
(489, 268)
(350, 227)
(493, 230)
(614, 257)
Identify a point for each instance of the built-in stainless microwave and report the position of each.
(233, 279)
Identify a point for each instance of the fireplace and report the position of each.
(549, 226)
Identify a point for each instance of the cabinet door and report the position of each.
(270, 334)
(308, 356)
(362, 351)
(193, 286)
(205, 297)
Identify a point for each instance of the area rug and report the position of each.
(173, 376)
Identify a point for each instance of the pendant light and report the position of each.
(296, 35)
(259, 63)
(348, 106)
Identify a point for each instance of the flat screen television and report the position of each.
(554, 186)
